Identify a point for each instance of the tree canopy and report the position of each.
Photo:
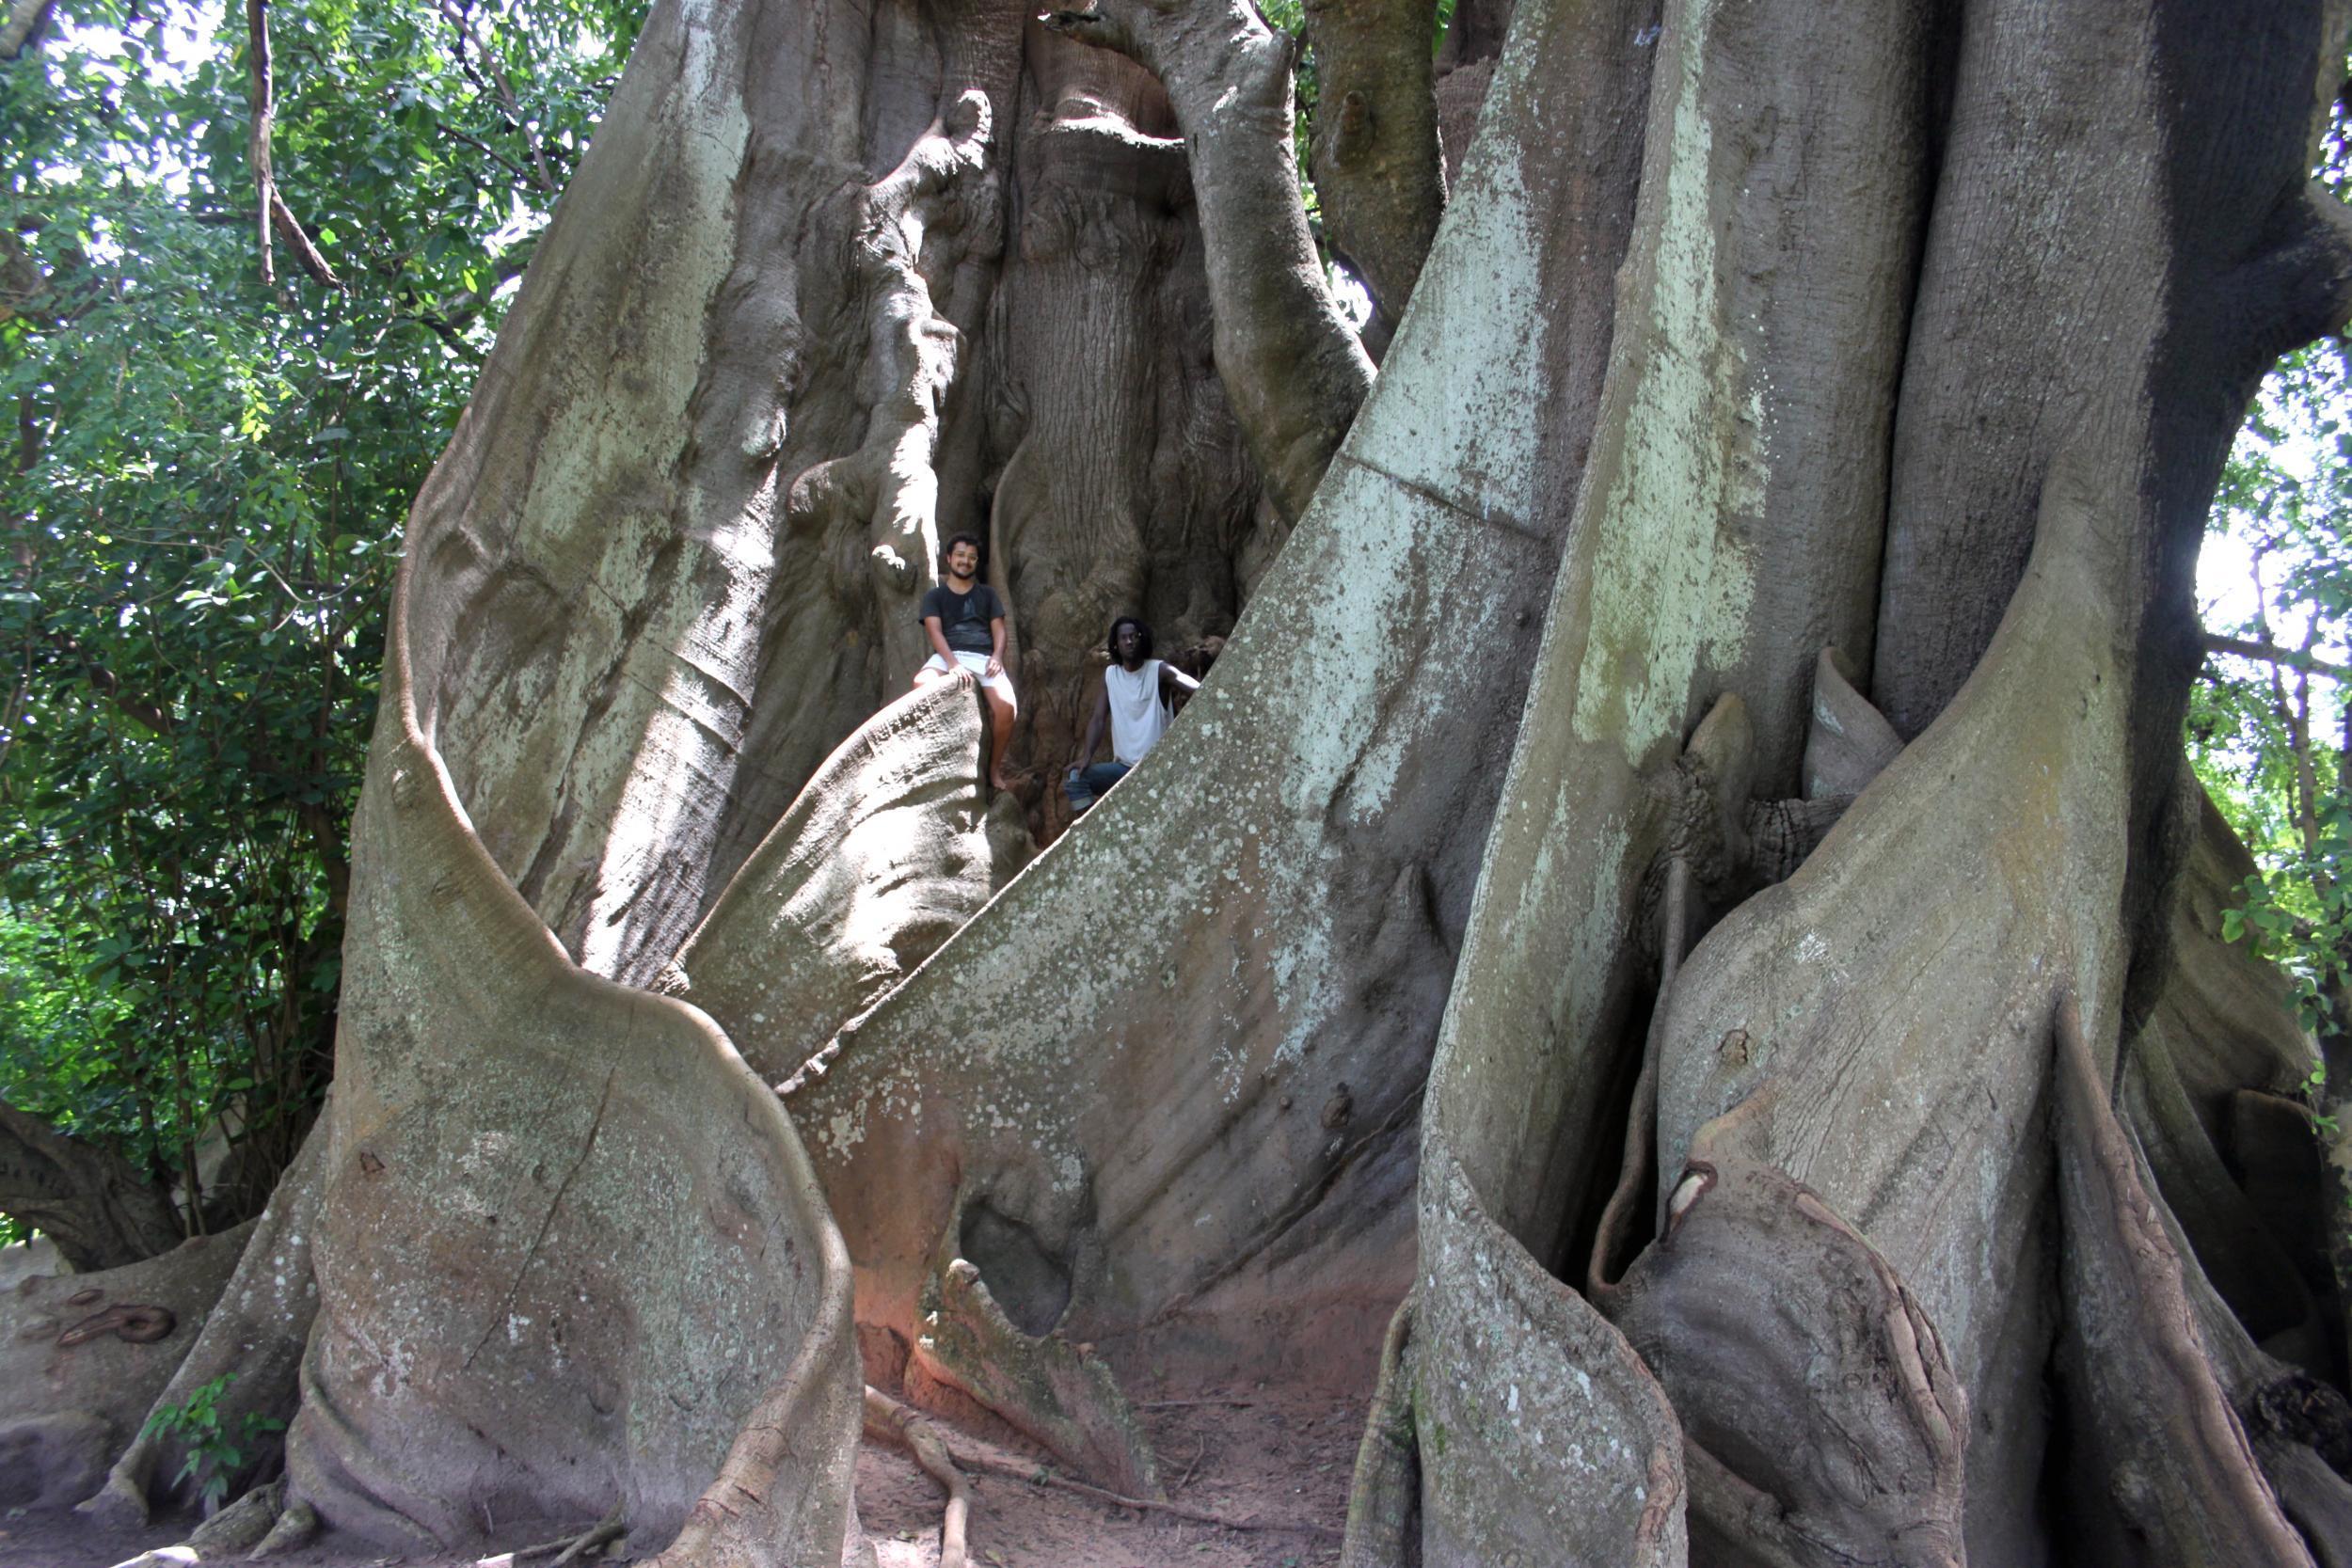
(205, 501)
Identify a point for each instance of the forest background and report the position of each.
(220, 422)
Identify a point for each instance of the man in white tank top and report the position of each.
(1134, 700)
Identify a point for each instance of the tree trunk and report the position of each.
(1760, 345)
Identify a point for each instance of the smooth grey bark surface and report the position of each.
(1116, 480)
(1208, 1128)
(2021, 287)
(1378, 174)
(1889, 1038)
(1294, 371)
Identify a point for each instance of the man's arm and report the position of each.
(1095, 721)
(996, 648)
(1173, 680)
(939, 642)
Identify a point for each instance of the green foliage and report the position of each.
(203, 502)
(216, 1449)
(2269, 736)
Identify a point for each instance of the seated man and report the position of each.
(965, 623)
(1135, 696)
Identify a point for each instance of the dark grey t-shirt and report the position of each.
(963, 618)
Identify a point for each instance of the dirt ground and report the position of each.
(1280, 1462)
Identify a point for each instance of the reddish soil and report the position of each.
(1278, 1460)
(1273, 1459)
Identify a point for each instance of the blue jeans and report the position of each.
(1085, 785)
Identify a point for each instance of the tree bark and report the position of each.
(100, 1211)
(1319, 807)
(1294, 371)
(1345, 991)
(1375, 157)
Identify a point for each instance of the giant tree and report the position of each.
(1677, 937)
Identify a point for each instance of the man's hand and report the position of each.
(996, 667)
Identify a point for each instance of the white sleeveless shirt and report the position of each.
(1138, 718)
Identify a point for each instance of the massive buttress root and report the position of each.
(890, 849)
(1882, 1013)
(2177, 1467)
(1190, 1114)
(484, 1350)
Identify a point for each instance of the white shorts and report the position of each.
(999, 683)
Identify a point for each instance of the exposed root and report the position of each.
(242, 1526)
(1384, 1501)
(1056, 1392)
(2177, 1469)
(246, 1528)
(1832, 1423)
(294, 1528)
(605, 1530)
(568, 1548)
(1040, 1476)
(1190, 1405)
(889, 1421)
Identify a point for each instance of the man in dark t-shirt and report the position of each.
(965, 623)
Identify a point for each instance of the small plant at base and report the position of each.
(215, 1453)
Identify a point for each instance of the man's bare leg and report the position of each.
(1001, 714)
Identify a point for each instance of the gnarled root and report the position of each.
(889, 1421)
(1832, 1426)
(293, 1529)
(241, 1527)
(1384, 1501)
(253, 1525)
(1053, 1390)
(2180, 1483)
